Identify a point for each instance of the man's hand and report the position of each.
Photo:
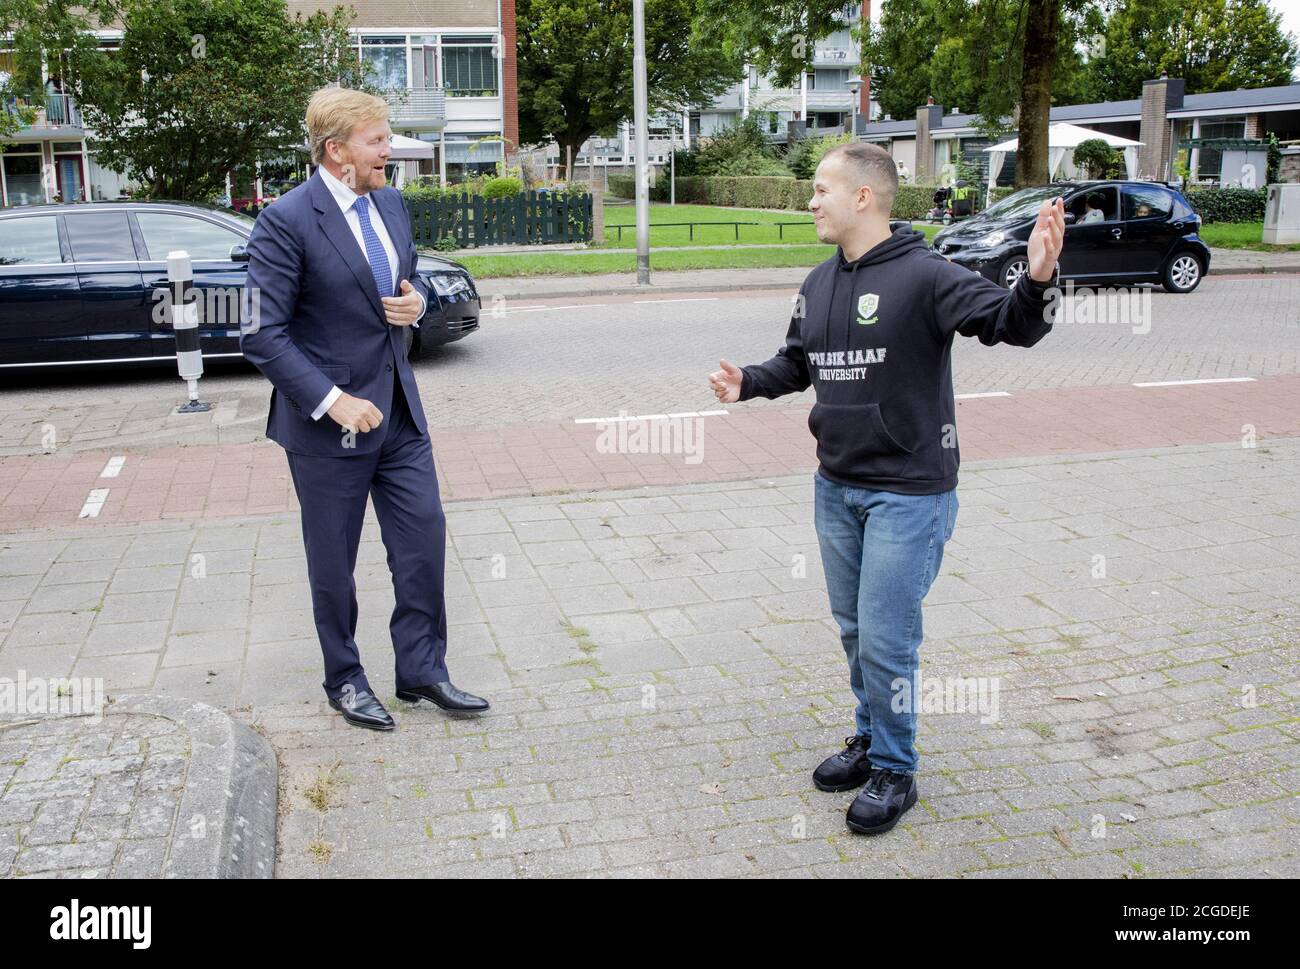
(726, 382)
(1046, 240)
(405, 309)
(355, 414)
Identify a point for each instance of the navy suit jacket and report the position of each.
(319, 321)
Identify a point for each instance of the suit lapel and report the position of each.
(336, 230)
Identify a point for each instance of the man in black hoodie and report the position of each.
(872, 331)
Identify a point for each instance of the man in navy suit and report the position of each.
(333, 265)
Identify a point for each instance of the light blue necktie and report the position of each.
(374, 249)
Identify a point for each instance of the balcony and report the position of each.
(55, 115)
(830, 100)
(835, 57)
(418, 106)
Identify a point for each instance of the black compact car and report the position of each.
(78, 283)
(1116, 232)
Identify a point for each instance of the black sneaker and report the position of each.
(882, 802)
(847, 769)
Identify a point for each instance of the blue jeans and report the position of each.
(881, 552)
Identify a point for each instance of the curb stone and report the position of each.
(231, 783)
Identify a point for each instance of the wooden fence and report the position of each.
(523, 219)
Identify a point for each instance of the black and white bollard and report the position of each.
(185, 324)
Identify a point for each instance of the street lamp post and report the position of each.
(642, 144)
(854, 85)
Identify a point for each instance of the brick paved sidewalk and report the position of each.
(553, 457)
(664, 676)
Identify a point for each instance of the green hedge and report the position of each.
(773, 192)
(1228, 204)
(624, 186)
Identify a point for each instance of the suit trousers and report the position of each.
(399, 477)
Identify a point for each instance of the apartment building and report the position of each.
(829, 99)
(1176, 129)
(448, 66)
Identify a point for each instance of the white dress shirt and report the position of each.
(346, 198)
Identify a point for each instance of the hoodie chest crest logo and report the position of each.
(867, 304)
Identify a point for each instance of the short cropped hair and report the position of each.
(873, 165)
(334, 112)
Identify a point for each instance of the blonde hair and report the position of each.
(334, 112)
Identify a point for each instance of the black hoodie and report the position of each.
(875, 339)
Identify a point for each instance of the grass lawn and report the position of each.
(1240, 235)
(799, 247)
(587, 263)
(662, 234)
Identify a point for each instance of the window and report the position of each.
(164, 233)
(1147, 202)
(472, 154)
(469, 66)
(29, 241)
(1094, 205)
(1210, 163)
(829, 79)
(385, 61)
(23, 178)
(100, 237)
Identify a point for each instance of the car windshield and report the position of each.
(1022, 204)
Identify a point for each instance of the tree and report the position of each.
(44, 35)
(1213, 45)
(1097, 159)
(199, 87)
(991, 57)
(575, 66)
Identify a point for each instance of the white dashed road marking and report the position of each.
(1183, 383)
(649, 417)
(94, 503)
(113, 467)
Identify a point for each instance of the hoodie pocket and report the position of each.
(853, 441)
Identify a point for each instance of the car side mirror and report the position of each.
(1070, 218)
(238, 254)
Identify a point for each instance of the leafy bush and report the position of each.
(721, 152)
(624, 186)
(804, 156)
(1228, 204)
(1098, 159)
(751, 164)
(500, 188)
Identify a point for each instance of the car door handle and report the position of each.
(1117, 232)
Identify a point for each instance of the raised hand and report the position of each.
(1046, 241)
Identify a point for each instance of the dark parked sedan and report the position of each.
(78, 283)
(1116, 233)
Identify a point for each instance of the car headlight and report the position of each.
(991, 240)
(449, 284)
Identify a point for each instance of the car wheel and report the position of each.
(1183, 273)
(1012, 270)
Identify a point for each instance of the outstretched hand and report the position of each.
(1046, 241)
(725, 383)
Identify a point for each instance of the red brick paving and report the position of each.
(750, 442)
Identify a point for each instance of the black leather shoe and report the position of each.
(846, 770)
(882, 802)
(363, 709)
(445, 695)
